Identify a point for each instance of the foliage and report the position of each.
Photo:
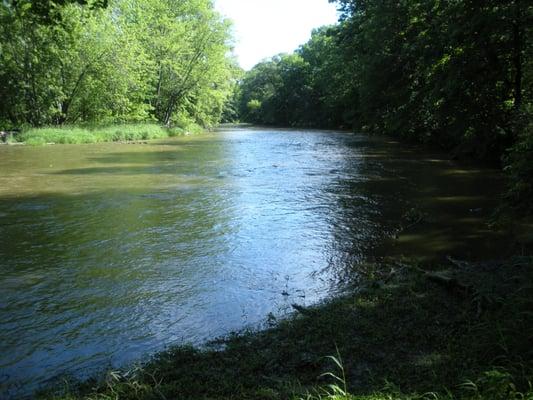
(230, 111)
(95, 134)
(131, 61)
(520, 170)
(456, 74)
(48, 11)
(451, 73)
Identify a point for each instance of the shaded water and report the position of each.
(110, 252)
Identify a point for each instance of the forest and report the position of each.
(93, 62)
(453, 74)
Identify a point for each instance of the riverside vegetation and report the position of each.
(454, 74)
(93, 134)
(102, 63)
(448, 331)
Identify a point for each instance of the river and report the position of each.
(111, 252)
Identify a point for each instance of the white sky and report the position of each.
(264, 28)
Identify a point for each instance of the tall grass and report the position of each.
(495, 384)
(335, 391)
(95, 134)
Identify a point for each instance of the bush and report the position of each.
(520, 171)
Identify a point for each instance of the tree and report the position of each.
(130, 61)
(186, 44)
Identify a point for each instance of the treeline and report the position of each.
(83, 61)
(453, 73)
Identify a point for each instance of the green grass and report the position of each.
(401, 335)
(114, 133)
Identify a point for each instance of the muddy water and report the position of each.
(110, 252)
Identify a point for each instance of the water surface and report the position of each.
(110, 252)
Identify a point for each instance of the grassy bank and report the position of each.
(95, 134)
(453, 331)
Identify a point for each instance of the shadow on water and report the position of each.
(120, 170)
(433, 207)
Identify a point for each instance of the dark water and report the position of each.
(111, 252)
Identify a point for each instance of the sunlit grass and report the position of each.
(96, 134)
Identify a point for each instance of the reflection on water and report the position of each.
(110, 252)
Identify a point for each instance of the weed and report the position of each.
(334, 391)
(95, 134)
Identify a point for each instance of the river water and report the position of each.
(111, 252)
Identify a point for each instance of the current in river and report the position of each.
(112, 252)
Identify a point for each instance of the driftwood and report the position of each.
(301, 310)
(461, 289)
(450, 283)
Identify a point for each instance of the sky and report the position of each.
(264, 28)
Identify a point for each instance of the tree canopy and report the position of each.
(454, 73)
(116, 61)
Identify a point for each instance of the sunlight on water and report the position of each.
(110, 252)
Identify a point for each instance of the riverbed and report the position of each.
(111, 252)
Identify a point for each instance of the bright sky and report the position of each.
(264, 28)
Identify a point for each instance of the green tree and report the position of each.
(444, 72)
(186, 44)
(331, 98)
(130, 61)
(275, 91)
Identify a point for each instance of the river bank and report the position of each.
(97, 134)
(402, 331)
